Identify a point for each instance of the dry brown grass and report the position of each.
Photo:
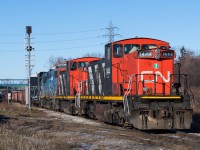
(31, 140)
(28, 130)
(35, 139)
(15, 110)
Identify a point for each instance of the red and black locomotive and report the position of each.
(135, 85)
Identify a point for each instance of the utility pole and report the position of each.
(28, 60)
(7, 92)
(111, 32)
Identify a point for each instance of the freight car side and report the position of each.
(18, 96)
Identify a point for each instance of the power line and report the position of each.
(54, 41)
(11, 42)
(56, 49)
(53, 49)
(58, 41)
(8, 34)
(70, 32)
(55, 33)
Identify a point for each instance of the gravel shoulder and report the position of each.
(46, 129)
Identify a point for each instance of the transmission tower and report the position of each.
(28, 59)
(111, 32)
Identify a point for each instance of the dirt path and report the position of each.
(45, 129)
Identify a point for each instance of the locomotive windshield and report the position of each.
(149, 46)
(129, 48)
(82, 64)
(163, 47)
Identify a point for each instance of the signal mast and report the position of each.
(28, 60)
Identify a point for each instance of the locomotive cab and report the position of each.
(76, 74)
(141, 70)
(134, 63)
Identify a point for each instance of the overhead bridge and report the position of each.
(13, 83)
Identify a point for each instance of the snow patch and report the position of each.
(69, 118)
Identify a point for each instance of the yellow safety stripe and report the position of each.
(65, 97)
(110, 98)
(160, 97)
(106, 98)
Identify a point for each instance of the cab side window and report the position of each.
(55, 74)
(67, 65)
(73, 65)
(117, 51)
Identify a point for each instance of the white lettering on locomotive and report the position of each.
(143, 73)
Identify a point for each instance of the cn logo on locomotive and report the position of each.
(143, 73)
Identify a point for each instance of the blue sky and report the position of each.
(73, 28)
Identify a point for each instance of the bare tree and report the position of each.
(190, 64)
(54, 61)
(100, 55)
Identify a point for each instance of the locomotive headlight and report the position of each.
(168, 54)
(157, 51)
(145, 54)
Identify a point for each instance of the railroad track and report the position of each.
(166, 140)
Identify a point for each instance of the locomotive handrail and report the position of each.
(136, 75)
(78, 94)
(185, 82)
(73, 77)
(119, 68)
(125, 100)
